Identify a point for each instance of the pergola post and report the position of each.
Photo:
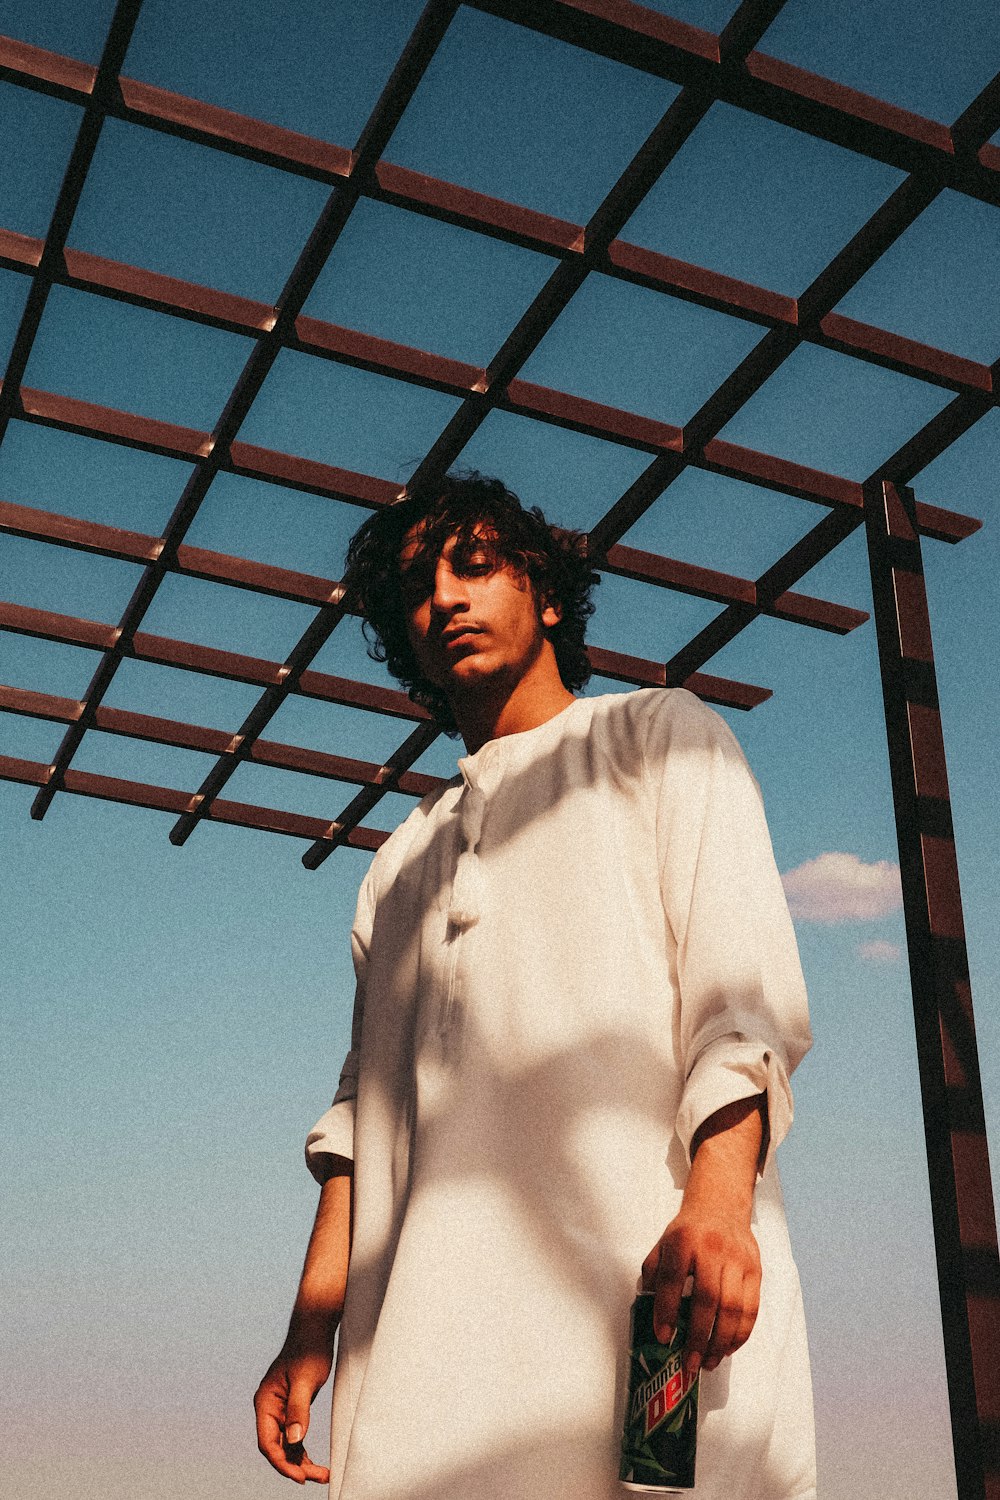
(965, 1235)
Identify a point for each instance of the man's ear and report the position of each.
(551, 614)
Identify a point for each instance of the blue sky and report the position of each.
(176, 1018)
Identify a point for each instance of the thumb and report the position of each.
(297, 1411)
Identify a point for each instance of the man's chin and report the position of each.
(471, 673)
(466, 664)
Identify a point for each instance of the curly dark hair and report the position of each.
(477, 511)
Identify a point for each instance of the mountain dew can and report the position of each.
(661, 1419)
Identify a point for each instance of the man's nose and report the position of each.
(449, 589)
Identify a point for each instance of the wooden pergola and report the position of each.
(707, 68)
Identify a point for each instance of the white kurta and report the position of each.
(567, 960)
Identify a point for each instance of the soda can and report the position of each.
(661, 1418)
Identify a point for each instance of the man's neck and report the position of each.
(496, 711)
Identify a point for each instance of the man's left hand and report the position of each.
(711, 1241)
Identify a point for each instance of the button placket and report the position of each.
(467, 890)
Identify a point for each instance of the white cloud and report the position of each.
(880, 952)
(836, 887)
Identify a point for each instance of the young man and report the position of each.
(579, 1000)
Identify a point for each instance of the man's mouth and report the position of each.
(460, 636)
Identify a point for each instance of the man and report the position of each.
(579, 1001)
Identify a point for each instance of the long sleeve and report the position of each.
(333, 1133)
(743, 1024)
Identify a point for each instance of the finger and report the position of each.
(295, 1463)
(728, 1317)
(315, 1473)
(270, 1441)
(303, 1468)
(751, 1306)
(296, 1424)
(270, 1407)
(674, 1269)
(704, 1307)
(300, 1394)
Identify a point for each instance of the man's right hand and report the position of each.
(282, 1403)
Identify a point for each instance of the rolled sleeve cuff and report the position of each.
(730, 1068)
(332, 1135)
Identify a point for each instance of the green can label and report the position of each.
(661, 1419)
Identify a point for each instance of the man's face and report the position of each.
(471, 619)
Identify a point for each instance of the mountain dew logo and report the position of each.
(661, 1394)
(661, 1419)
